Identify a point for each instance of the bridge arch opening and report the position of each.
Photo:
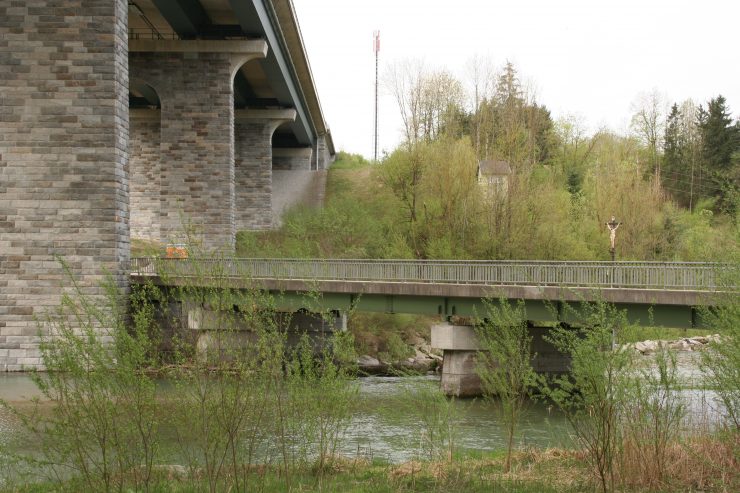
(145, 127)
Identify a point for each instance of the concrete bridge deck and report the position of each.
(653, 293)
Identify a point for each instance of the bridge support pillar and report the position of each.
(224, 335)
(194, 83)
(63, 160)
(460, 346)
(322, 156)
(145, 173)
(294, 182)
(253, 165)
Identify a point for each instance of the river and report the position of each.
(387, 427)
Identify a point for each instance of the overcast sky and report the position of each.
(584, 57)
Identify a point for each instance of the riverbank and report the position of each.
(704, 464)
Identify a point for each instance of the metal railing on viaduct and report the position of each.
(673, 276)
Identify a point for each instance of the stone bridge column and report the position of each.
(194, 82)
(253, 165)
(63, 160)
(145, 173)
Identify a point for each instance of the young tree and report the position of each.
(593, 395)
(505, 364)
(431, 103)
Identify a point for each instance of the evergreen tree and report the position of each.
(671, 144)
(720, 141)
(719, 135)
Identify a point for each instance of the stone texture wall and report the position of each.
(144, 152)
(63, 158)
(292, 158)
(253, 171)
(197, 143)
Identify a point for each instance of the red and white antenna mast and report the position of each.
(376, 49)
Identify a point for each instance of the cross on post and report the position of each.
(613, 224)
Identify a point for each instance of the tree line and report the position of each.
(673, 181)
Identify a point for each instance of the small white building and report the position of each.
(494, 176)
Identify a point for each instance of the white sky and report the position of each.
(585, 57)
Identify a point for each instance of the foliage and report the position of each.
(505, 364)
(593, 395)
(244, 383)
(437, 417)
(652, 419)
(103, 423)
(722, 362)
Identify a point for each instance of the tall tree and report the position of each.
(648, 122)
(720, 149)
(719, 135)
(683, 175)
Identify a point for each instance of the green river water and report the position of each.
(382, 429)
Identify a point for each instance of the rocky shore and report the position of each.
(424, 360)
(684, 344)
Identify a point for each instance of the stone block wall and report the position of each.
(63, 159)
(253, 171)
(197, 143)
(144, 153)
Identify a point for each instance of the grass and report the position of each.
(697, 464)
(350, 476)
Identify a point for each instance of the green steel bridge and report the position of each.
(652, 293)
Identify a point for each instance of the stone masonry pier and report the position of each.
(120, 119)
(64, 175)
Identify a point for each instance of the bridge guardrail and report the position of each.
(635, 275)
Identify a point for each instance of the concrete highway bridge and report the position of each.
(142, 118)
(651, 293)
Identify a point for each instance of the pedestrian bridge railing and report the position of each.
(690, 276)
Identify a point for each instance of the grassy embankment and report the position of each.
(702, 465)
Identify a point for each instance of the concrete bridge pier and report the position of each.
(460, 346)
(223, 335)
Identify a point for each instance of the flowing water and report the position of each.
(388, 427)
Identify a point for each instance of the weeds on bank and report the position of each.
(246, 400)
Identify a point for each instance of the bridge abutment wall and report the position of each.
(197, 144)
(63, 160)
(292, 158)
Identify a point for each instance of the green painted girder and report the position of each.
(675, 316)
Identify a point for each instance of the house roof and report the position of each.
(492, 167)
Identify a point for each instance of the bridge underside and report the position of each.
(537, 311)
